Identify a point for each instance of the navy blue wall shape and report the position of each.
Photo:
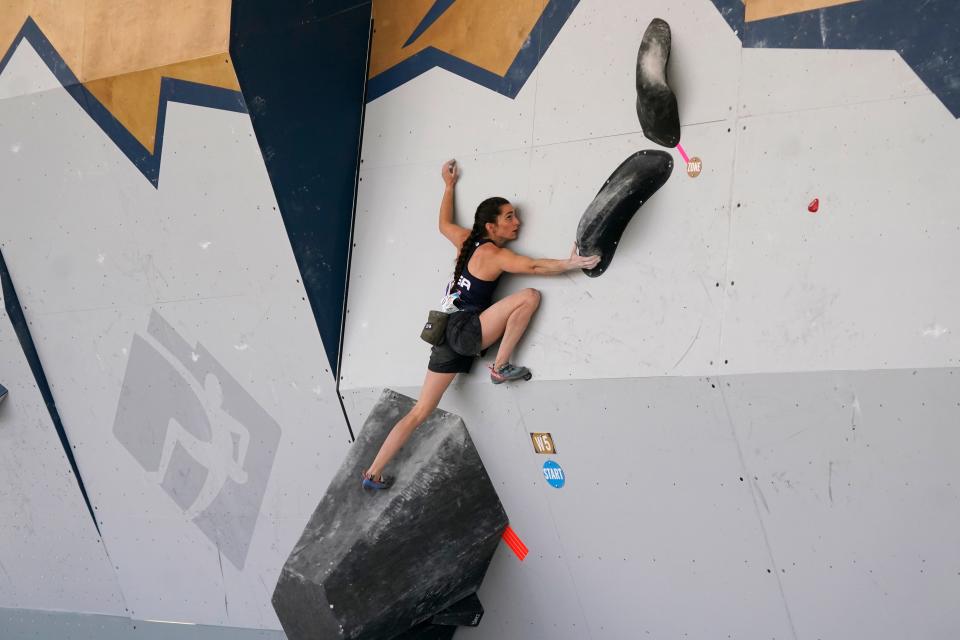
(302, 70)
(926, 34)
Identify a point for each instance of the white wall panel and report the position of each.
(51, 556)
(586, 82)
(788, 80)
(441, 115)
(103, 260)
(861, 284)
(21, 77)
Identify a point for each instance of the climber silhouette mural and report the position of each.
(198, 434)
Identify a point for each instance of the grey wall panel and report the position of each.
(861, 283)
(841, 526)
(51, 556)
(19, 78)
(653, 531)
(27, 624)
(858, 482)
(653, 508)
(182, 354)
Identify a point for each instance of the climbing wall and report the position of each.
(754, 408)
(172, 418)
(751, 414)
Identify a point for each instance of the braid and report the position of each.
(487, 212)
(475, 235)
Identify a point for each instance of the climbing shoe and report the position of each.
(508, 372)
(375, 484)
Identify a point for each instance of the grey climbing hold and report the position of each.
(656, 103)
(631, 184)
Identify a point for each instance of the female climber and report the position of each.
(478, 322)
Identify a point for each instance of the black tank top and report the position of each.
(475, 294)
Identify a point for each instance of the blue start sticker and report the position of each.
(553, 474)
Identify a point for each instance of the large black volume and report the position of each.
(375, 565)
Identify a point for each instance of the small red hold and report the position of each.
(814, 205)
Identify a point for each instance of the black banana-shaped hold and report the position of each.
(633, 183)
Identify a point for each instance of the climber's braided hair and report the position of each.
(487, 212)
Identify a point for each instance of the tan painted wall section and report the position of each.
(130, 35)
(133, 98)
(120, 49)
(487, 33)
(62, 21)
(102, 38)
(763, 9)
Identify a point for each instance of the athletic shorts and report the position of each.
(463, 341)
